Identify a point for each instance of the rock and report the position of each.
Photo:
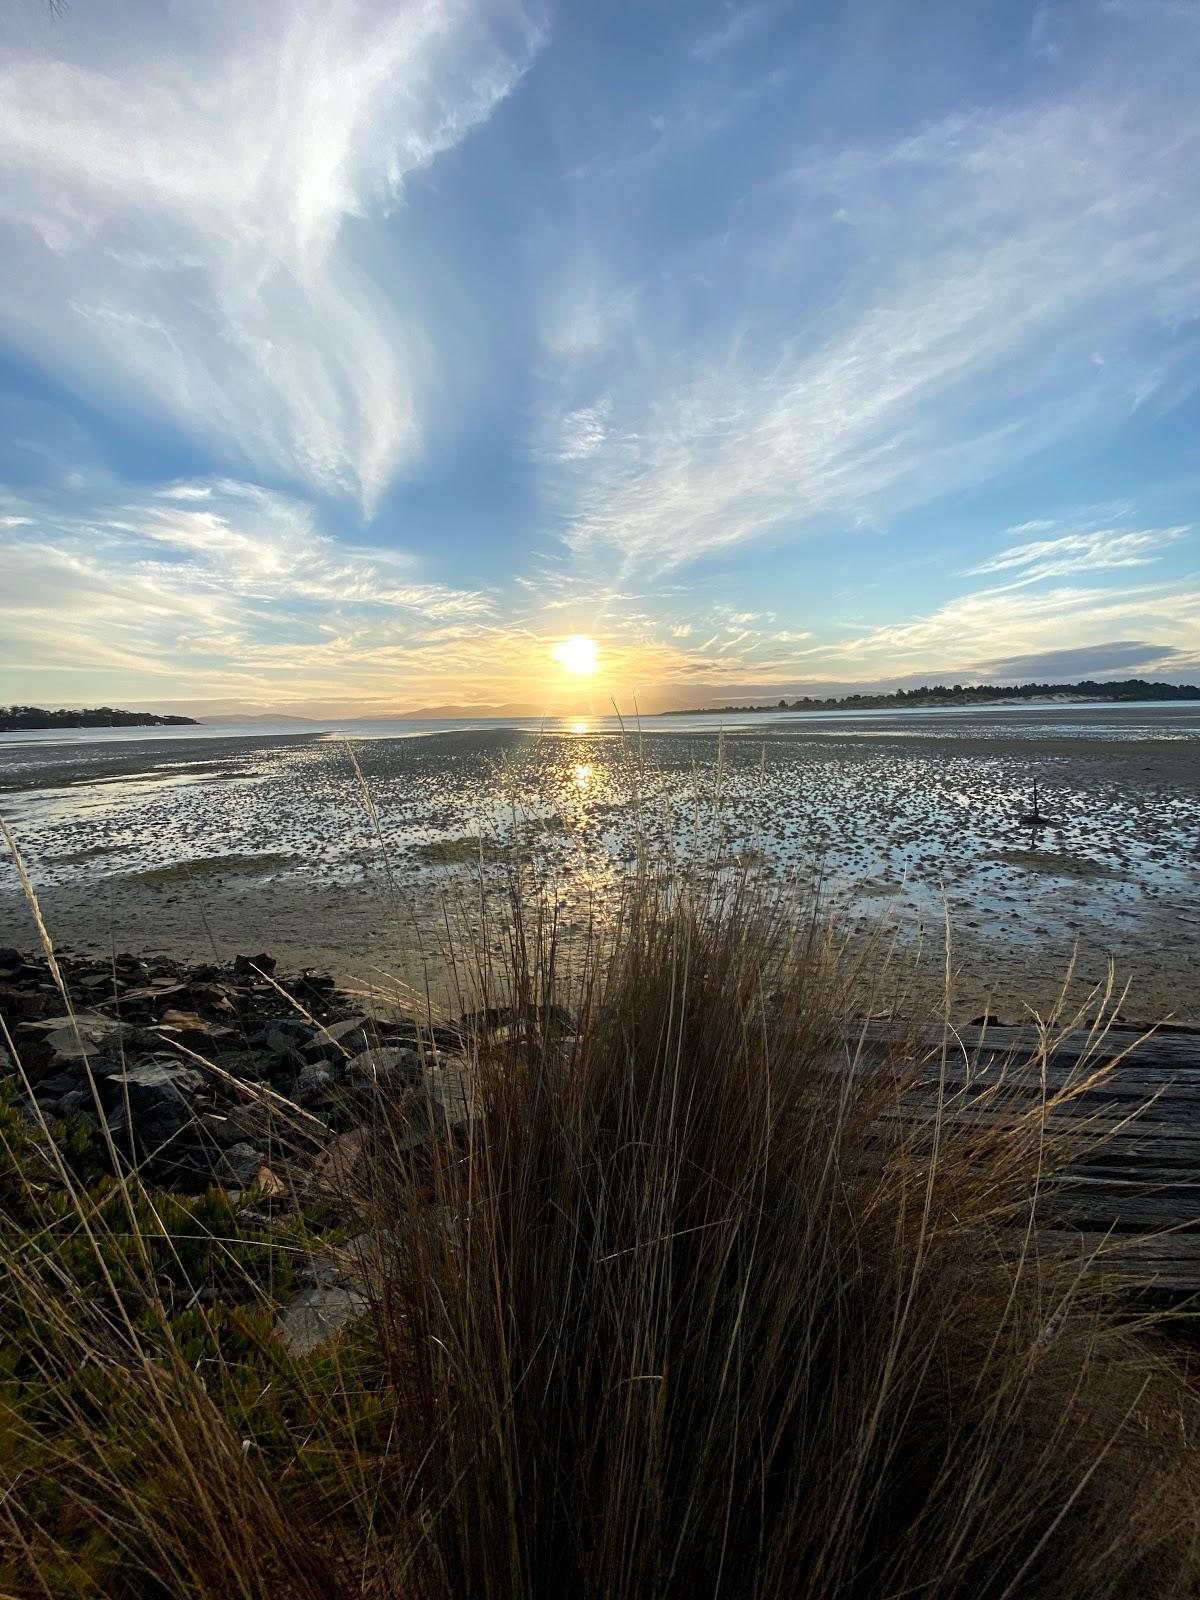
(86, 1021)
(511, 1022)
(311, 986)
(157, 1093)
(314, 1082)
(339, 1040)
(213, 997)
(248, 968)
(391, 1062)
(57, 1084)
(318, 1315)
(163, 1075)
(27, 1005)
(96, 982)
(337, 1165)
(242, 1167)
(449, 1085)
(152, 994)
(189, 1029)
(287, 1035)
(413, 1121)
(249, 1066)
(64, 1038)
(258, 1123)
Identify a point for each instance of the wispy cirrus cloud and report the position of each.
(189, 211)
(1098, 550)
(740, 23)
(214, 580)
(1018, 276)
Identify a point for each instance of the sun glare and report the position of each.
(577, 654)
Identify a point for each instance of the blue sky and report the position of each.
(352, 355)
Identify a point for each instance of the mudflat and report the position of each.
(347, 853)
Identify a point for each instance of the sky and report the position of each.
(354, 355)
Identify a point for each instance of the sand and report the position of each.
(202, 847)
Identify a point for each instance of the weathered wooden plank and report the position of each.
(1129, 1203)
(1162, 1051)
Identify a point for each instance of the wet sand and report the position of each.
(203, 847)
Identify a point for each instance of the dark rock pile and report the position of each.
(210, 1074)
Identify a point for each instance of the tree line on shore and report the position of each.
(14, 719)
(940, 694)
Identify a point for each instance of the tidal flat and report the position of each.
(202, 847)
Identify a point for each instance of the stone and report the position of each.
(248, 1066)
(249, 967)
(337, 1165)
(57, 1084)
(189, 1029)
(27, 1005)
(242, 1167)
(95, 981)
(258, 1123)
(311, 985)
(340, 1040)
(158, 1096)
(317, 1316)
(449, 1085)
(315, 1080)
(88, 1021)
(152, 994)
(287, 1036)
(391, 1062)
(64, 1038)
(214, 997)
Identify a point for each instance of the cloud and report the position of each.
(975, 633)
(1103, 549)
(234, 586)
(192, 209)
(741, 24)
(996, 254)
(1127, 657)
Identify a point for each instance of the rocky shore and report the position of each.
(206, 1074)
(203, 1077)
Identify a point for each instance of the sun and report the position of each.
(578, 653)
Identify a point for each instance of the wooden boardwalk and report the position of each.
(1133, 1194)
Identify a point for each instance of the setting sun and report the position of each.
(578, 653)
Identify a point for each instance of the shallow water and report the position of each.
(891, 814)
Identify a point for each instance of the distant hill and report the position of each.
(16, 719)
(939, 694)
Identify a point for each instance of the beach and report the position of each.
(344, 850)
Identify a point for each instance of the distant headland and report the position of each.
(939, 694)
(15, 719)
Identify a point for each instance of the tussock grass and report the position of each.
(686, 1308)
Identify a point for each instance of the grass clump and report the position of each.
(685, 1307)
(704, 1319)
(182, 872)
(466, 850)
